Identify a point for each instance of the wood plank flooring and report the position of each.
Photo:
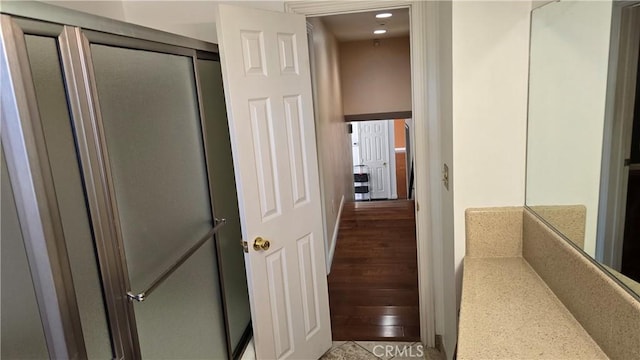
(373, 284)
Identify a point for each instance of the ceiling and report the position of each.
(360, 26)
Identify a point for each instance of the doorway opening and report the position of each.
(631, 244)
(337, 187)
(382, 161)
(617, 245)
(363, 104)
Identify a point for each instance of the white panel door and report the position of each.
(374, 150)
(355, 144)
(267, 80)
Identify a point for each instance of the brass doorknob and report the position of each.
(261, 244)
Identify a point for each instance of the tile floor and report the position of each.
(369, 350)
(380, 350)
(250, 352)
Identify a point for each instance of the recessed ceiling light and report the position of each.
(381, 31)
(384, 15)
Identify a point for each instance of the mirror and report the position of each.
(583, 62)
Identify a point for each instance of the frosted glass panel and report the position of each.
(150, 114)
(225, 200)
(152, 127)
(22, 332)
(183, 318)
(52, 104)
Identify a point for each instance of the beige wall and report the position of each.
(490, 67)
(334, 143)
(376, 79)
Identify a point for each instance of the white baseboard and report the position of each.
(334, 237)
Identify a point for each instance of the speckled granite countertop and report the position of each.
(508, 312)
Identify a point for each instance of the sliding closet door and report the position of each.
(156, 165)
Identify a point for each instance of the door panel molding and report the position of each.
(297, 149)
(280, 298)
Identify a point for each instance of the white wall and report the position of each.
(568, 87)
(490, 66)
(195, 19)
(110, 9)
(333, 140)
(444, 262)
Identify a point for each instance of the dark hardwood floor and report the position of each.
(373, 284)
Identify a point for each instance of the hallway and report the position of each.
(373, 284)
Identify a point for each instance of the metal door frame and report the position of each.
(38, 212)
(94, 155)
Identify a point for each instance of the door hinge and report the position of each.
(417, 206)
(245, 246)
(445, 176)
